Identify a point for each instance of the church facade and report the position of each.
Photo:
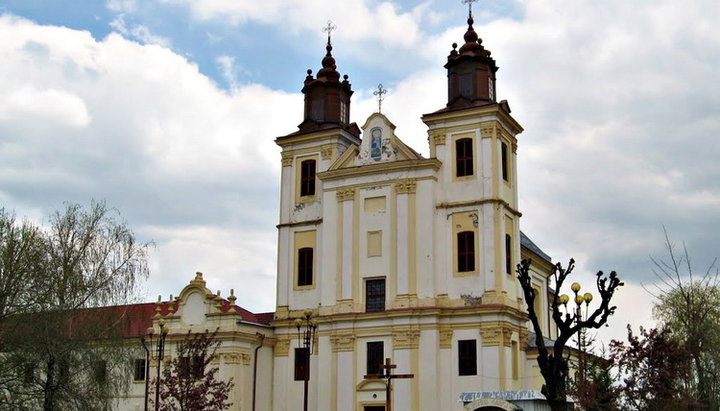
(403, 257)
(393, 256)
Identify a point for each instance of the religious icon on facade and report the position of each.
(376, 143)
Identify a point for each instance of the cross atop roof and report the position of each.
(469, 3)
(379, 93)
(329, 28)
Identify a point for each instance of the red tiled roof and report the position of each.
(135, 319)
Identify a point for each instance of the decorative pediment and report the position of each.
(379, 145)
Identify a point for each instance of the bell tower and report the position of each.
(471, 72)
(324, 135)
(327, 99)
(474, 137)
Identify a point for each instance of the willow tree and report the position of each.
(553, 361)
(60, 350)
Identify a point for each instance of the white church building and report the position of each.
(393, 255)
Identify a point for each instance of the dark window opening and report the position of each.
(375, 295)
(140, 369)
(466, 251)
(100, 371)
(466, 85)
(305, 266)
(504, 159)
(318, 110)
(374, 408)
(467, 357)
(375, 356)
(508, 254)
(307, 178)
(463, 157)
(302, 363)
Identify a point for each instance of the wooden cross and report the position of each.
(388, 377)
(469, 3)
(380, 92)
(329, 29)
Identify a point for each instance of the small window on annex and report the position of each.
(375, 295)
(375, 354)
(467, 357)
(463, 157)
(302, 363)
(140, 368)
(466, 251)
(307, 178)
(305, 266)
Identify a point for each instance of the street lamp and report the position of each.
(160, 351)
(579, 300)
(306, 327)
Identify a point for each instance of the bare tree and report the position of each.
(688, 306)
(554, 366)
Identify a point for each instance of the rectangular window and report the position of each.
(302, 363)
(28, 373)
(100, 371)
(343, 112)
(375, 295)
(140, 369)
(466, 251)
(508, 254)
(307, 178)
(515, 361)
(318, 110)
(466, 85)
(375, 354)
(463, 157)
(305, 266)
(504, 160)
(467, 357)
(184, 367)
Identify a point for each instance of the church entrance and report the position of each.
(489, 408)
(374, 408)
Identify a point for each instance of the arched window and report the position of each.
(307, 178)
(305, 266)
(463, 157)
(466, 251)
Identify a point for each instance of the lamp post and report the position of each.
(306, 327)
(579, 300)
(147, 364)
(160, 351)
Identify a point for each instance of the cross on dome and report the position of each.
(469, 3)
(329, 28)
(379, 93)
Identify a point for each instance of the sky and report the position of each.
(167, 110)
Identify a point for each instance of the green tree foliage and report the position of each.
(60, 352)
(189, 382)
(688, 307)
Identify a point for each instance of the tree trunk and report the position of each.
(49, 389)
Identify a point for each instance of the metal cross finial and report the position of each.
(469, 3)
(329, 29)
(380, 92)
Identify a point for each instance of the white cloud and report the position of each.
(358, 20)
(156, 138)
(56, 106)
(138, 32)
(122, 6)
